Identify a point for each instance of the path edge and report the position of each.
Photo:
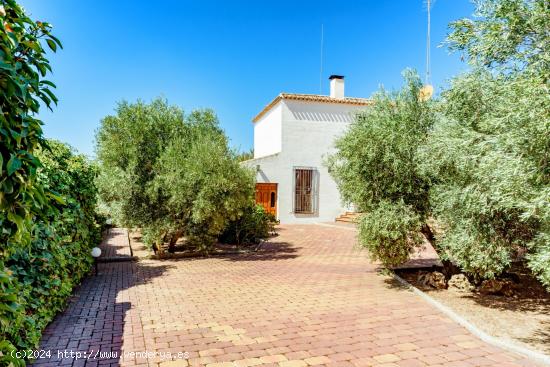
(506, 345)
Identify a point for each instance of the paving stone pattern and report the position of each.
(309, 298)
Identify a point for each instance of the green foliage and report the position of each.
(171, 174)
(489, 154)
(478, 159)
(41, 275)
(252, 226)
(508, 35)
(377, 169)
(490, 160)
(23, 67)
(390, 231)
(11, 318)
(244, 156)
(539, 256)
(128, 147)
(205, 186)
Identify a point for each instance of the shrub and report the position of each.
(390, 232)
(252, 226)
(377, 168)
(44, 273)
(22, 76)
(23, 70)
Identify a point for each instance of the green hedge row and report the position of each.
(36, 280)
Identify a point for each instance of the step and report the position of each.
(345, 220)
(348, 217)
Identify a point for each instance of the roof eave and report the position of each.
(311, 98)
(267, 108)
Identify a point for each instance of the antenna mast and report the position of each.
(427, 91)
(321, 68)
(428, 47)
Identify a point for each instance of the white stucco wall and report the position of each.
(267, 133)
(308, 131)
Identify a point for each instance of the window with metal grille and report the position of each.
(305, 190)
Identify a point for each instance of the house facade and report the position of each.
(292, 136)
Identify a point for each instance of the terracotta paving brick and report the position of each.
(386, 358)
(410, 363)
(315, 361)
(273, 358)
(294, 363)
(115, 245)
(308, 297)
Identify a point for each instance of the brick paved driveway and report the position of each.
(311, 298)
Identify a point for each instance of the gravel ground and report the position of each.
(522, 319)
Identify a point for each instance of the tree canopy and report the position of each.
(489, 154)
(171, 174)
(377, 169)
(477, 159)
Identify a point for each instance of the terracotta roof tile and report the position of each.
(313, 98)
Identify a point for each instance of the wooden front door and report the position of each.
(266, 196)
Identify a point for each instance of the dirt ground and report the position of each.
(522, 319)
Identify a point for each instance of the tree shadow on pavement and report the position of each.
(269, 251)
(90, 330)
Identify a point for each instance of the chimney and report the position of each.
(336, 86)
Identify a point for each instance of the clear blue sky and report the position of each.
(231, 56)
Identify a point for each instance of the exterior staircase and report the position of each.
(348, 217)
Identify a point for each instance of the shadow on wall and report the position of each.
(307, 115)
(90, 331)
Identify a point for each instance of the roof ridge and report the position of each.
(287, 94)
(313, 98)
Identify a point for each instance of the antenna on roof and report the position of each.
(428, 46)
(427, 90)
(321, 68)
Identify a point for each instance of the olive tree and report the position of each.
(489, 160)
(205, 185)
(171, 174)
(128, 145)
(489, 156)
(507, 36)
(376, 167)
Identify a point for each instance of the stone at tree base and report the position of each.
(460, 282)
(434, 279)
(497, 286)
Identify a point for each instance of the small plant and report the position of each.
(250, 228)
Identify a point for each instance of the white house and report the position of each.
(292, 136)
